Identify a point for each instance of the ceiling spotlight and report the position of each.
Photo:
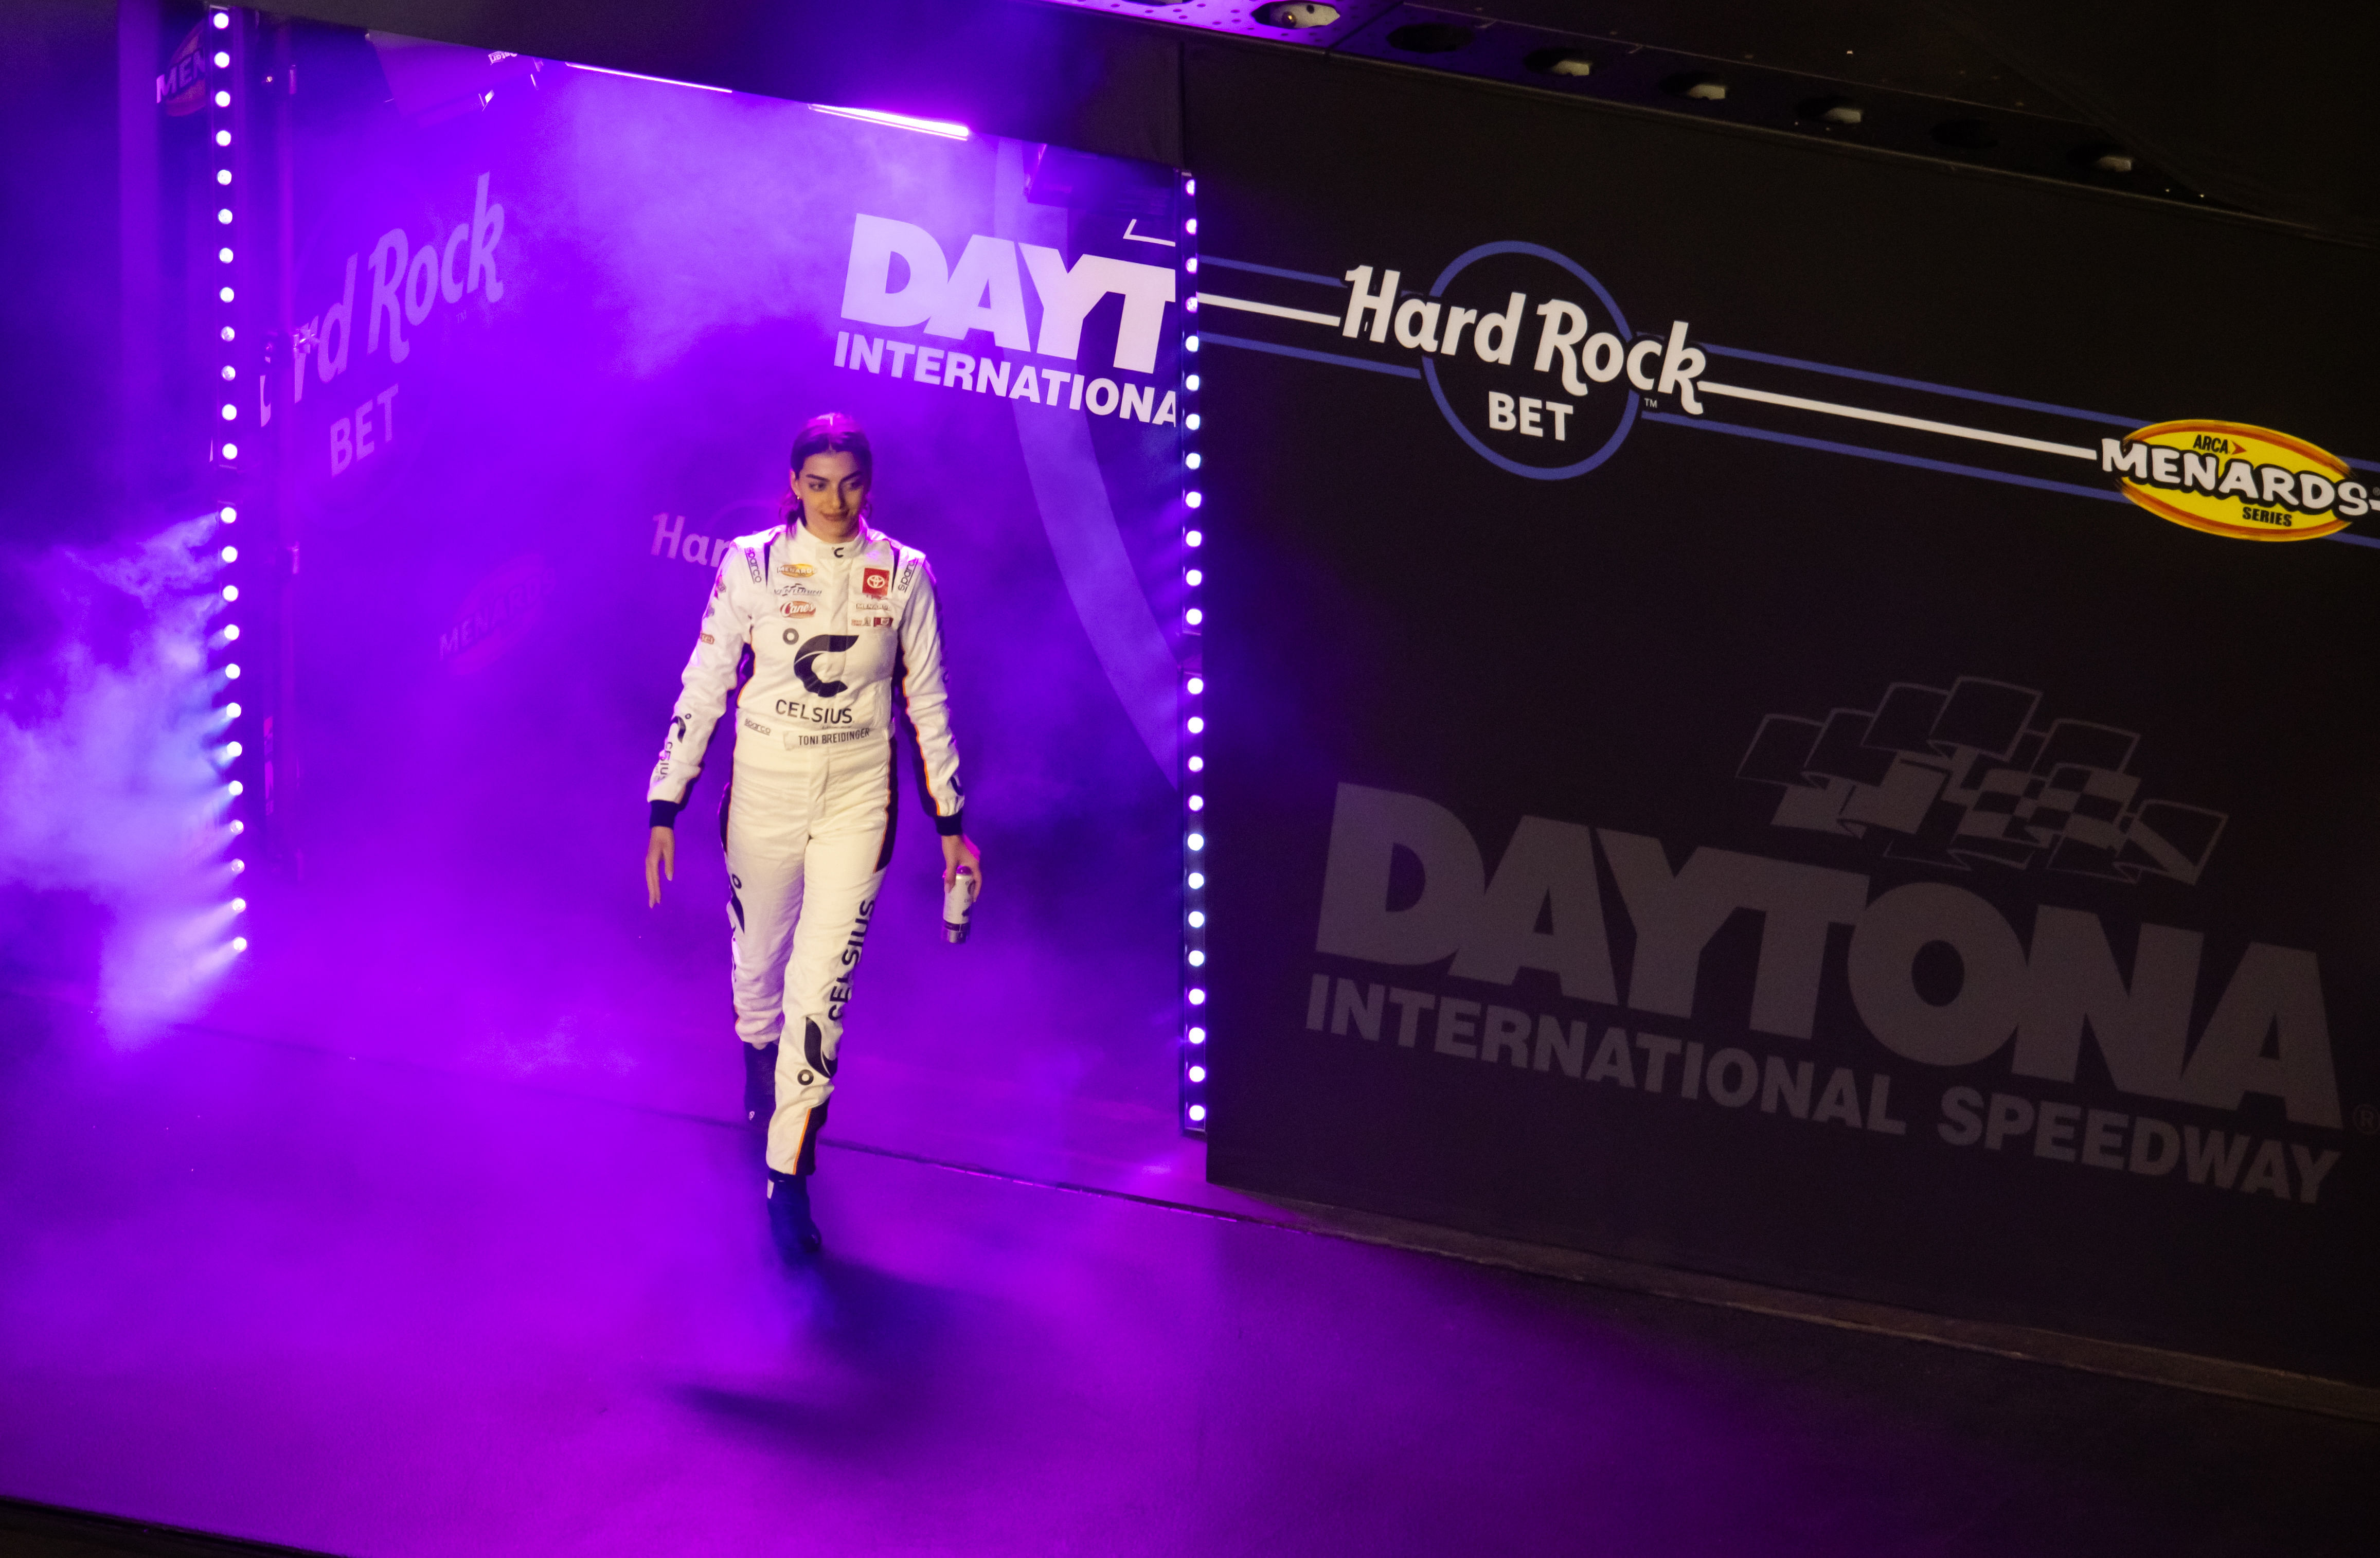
(1697, 85)
(1559, 62)
(2101, 156)
(1297, 16)
(1831, 111)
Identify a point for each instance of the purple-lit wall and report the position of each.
(587, 313)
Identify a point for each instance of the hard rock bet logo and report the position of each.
(1528, 355)
(2230, 479)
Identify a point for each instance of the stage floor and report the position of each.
(368, 1308)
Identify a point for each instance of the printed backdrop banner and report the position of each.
(554, 331)
(1793, 714)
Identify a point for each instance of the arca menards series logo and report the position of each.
(2228, 479)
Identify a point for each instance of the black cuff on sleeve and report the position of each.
(951, 826)
(665, 812)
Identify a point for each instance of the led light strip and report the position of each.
(221, 50)
(1193, 1047)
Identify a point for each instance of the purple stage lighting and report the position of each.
(657, 81)
(943, 128)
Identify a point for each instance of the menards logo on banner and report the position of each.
(2228, 479)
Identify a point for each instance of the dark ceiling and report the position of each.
(2262, 107)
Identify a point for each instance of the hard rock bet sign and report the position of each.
(1532, 362)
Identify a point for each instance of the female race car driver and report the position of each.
(844, 638)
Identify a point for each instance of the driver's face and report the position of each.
(830, 489)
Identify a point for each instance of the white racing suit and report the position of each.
(843, 640)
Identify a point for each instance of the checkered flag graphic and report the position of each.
(1962, 776)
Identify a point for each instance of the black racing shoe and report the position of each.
(759, 1083)
(791, 1228)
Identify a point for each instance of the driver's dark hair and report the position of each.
(834, 433)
